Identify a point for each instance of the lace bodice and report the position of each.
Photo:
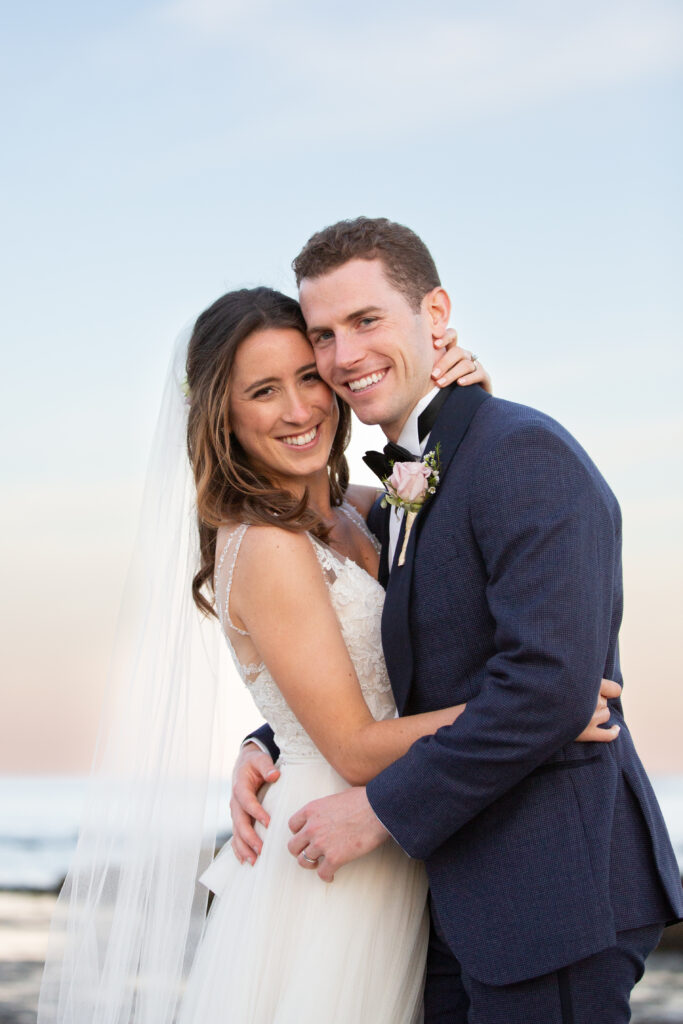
(357, 599)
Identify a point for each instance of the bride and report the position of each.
(288, 566)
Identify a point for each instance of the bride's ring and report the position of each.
(475, 359)
(309, 860)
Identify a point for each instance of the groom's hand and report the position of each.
(335, 830)
(252, 770)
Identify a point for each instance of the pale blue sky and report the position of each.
(157, 154)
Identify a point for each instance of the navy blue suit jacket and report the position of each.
(538, 848)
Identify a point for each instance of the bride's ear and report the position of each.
(437, 307)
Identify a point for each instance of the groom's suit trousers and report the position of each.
(593, 991)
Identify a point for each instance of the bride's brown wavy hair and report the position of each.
(228, 487)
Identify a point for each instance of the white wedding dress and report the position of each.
(280, 946)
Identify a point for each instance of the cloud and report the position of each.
(389, 65)
(465, 68)
(212, 17)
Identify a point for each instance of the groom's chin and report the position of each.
(365, 416)
(362, 410)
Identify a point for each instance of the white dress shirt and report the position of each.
(409, 439)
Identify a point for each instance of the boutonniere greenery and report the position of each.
(410, 485)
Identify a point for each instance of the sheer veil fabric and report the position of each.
(130, 913)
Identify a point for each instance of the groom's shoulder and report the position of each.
(500, 418)
(511, 431)
(502, 414)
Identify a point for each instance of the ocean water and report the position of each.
(39, 826)
(39, 820)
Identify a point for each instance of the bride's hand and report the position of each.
(594, 733)
(252, 769)
(458, 364)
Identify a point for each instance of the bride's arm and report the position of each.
(296, 631)
(458, 364)
(280, 597)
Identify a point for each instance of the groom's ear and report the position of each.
(437, 307)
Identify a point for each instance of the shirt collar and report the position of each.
(409, 438)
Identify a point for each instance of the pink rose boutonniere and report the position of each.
(409, 487)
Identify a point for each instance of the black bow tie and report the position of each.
(381, 462)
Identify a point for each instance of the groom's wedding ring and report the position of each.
(309, 860)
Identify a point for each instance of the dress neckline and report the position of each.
(351, 513)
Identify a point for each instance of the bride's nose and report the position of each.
(296, 409)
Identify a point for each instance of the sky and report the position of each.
(159, 154)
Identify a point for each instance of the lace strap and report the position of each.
(329, 563)
(352, 513)
(233, 542)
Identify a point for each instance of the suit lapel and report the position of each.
(449, 430)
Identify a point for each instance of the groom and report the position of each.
(551, 872)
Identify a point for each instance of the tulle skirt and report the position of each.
(282, 947)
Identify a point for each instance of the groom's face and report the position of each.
(370, 345)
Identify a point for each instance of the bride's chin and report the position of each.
(300, 471)
(296, 469)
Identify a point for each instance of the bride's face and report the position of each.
(282, 414)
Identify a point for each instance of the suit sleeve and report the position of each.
(266, 738)
(546, 533)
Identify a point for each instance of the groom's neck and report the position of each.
(392, 431)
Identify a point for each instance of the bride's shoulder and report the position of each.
(275, 568)
(271, 551)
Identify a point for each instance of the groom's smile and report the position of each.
(370, 344)
(363, 383)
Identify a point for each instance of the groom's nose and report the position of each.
(347, 350)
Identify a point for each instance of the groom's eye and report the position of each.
(323, 338)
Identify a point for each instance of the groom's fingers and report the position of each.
(253, 768)
(245, 841)
(298, 820)
(297, 844)
(326, 870)
(252, 771)
(303, 847)
(301, 839)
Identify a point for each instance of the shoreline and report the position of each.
(25, 918)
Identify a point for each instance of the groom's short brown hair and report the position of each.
(407, 261)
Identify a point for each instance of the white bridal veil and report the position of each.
(130, 912)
